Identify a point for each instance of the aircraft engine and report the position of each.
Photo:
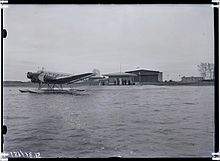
(33, 77)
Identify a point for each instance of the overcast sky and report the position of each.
(172, 39)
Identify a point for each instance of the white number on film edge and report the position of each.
(216, 5)
(3, 156)
(216, 156)
(3, 3)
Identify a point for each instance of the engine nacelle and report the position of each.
(33, 77)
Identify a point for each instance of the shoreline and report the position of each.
(29, 84)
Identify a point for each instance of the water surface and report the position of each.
(106, 121)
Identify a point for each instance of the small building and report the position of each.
(191, 79)
(146, 75)
(120, 78)
(96, 80)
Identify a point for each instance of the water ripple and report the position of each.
(110, 121)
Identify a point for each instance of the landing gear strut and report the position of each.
(49, 86)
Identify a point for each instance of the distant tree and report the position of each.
(202, 69)
(206, 70)
(211, 70)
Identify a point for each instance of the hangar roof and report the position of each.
(120, 74)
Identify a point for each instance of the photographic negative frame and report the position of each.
(4, 36)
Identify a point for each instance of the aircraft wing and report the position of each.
(67, 79)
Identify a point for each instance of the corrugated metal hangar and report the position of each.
(134, 77)
(146, 75)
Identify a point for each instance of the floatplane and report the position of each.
(54, 81)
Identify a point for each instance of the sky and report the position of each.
(173, 39)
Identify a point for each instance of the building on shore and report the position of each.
(96, 80)
(145, 76)
(120, 78)
(140, 76)
(191, 79)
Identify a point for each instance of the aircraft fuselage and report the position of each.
(56, 78)
(42, 76)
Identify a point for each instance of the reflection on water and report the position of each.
(106, 121)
